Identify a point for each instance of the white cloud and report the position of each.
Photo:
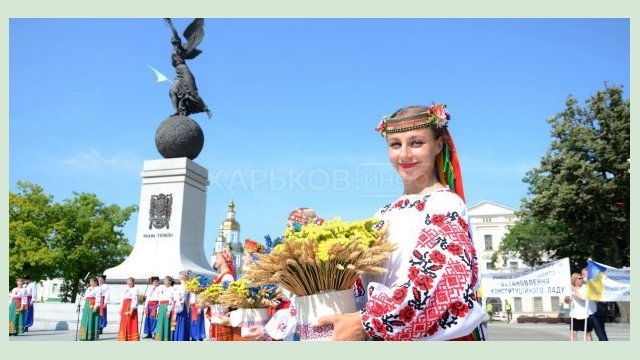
(92, 160)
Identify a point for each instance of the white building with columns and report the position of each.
(490, 222)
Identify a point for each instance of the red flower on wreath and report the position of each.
(424, 282)
(407, 314)
(379, 326)
(413, 273)
(438, 219)
(455, 249)
(399, 295)
(365, 317)
(420, 205)
(398, 203)
(459, 308)
(438, 257)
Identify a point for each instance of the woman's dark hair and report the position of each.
(438, 132)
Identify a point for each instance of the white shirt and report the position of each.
(131, 293)
(95, 293)
(19, 293)
(104, 291)
(579, 308)
(165, 294)
(152, 294)
(32, 291)
(178, 297)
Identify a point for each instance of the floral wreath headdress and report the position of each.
(436, 116)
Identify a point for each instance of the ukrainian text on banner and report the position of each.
(606, 283)
(550, 279)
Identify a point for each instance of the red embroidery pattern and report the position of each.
(439, 286)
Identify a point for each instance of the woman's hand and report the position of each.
(223, 320)
(346, 327)
(257, 332)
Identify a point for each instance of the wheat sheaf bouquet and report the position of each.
(327, 257)
(242, 294)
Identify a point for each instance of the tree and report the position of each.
(583, 183)
(30, 232)
(534, 240)
(76, 237)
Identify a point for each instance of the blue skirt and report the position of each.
(183, 325)
(197, 328)
(102, 323)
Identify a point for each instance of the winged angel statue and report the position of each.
(184, 92)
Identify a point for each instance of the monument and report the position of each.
(170, 232)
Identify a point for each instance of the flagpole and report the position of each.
(586, 320)
(571, 321)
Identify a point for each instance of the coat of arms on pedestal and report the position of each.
(160, 211)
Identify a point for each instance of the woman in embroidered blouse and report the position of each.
(90, 327)
(165, 299)
(429, 289)
(181, 309)
(220, 329)
(17, 308)
(129, 314)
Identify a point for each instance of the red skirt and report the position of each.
(128, 323)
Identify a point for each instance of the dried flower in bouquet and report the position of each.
(197, 284)
(323, 257)
(242, 295)
(211, 295)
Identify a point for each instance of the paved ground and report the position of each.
(498, 331)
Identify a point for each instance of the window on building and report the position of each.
(54, 290)
(488, 242)
(513, 265)
(490, 266)
(486, 220)
(517, 304)
(555, 303)
(537, 304)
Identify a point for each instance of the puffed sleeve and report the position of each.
(134, 298)
(438, 289)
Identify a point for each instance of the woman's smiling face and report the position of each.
(413, 153)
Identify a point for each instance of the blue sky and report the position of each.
(295, 102)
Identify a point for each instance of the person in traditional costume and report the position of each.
(151, 308)
(17, 308)
(165, 301)
(32, 296)
(220, 329)
(129, 314)
(89, 326)
(196, 319)
(181, 309)
(104, 300)
(429, 289)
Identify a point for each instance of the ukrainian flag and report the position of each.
(595, 276)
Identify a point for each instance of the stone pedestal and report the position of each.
(170, 234)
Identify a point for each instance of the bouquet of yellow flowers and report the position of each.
(211, 295)
(197, 284)
(323, 257)
(242, 295)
